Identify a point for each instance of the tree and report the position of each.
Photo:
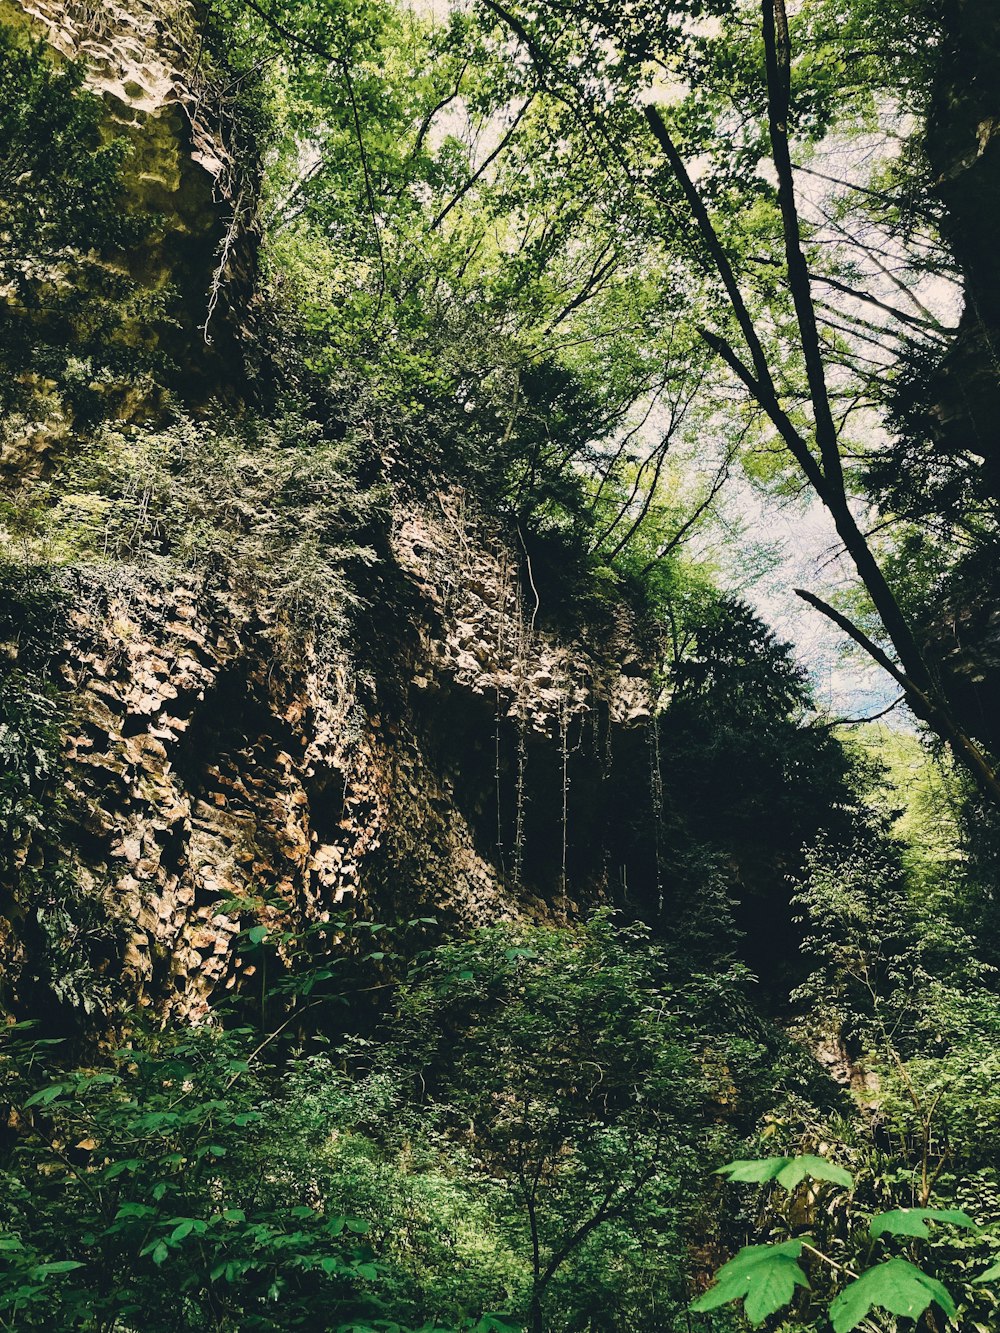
(564, 1065)
(450, 263)
(788, 378)
(749, 774)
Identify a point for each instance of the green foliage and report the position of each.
(897, 1286)
(572, 1079)
(523, 1136)
(60, 185)
(570, 1082)
(899, 996)
(749, 780)
(789, 1172)
(765, 1277)
(275, 511)
(913, 1221)
(161, 1182)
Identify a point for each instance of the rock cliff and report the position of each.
(455, 755)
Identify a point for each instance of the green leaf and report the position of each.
(789, 1172)
(753, 1172)
(815, 1168)
(913, 1221)
(119, 1168)
(185, 1226)
(46, 1096)
(257, 934)
(897, 1286)
(764, 1277)
(57, 1266)
(991, 1274)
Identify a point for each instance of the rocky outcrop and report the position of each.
(455, 760)
(453, 755)
(190, 171)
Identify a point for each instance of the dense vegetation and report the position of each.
(596, 266)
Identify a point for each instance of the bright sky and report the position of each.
(805, 553)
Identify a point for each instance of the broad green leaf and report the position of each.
(897, 1286)
(815, 1168)
(991, 1274)
(773, 1289)
(257, 934)
(913, 1221)
(753, 1172)
(57, 1266)
(119, 1168)
(789, 1172)
(763, 1276)
(46, 1096)
(185, 1226)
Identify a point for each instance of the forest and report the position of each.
(499, 789)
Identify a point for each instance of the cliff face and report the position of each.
(452, 761)
(190, 174)
(451, 757)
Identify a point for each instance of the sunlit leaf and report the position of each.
(896, 1286)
